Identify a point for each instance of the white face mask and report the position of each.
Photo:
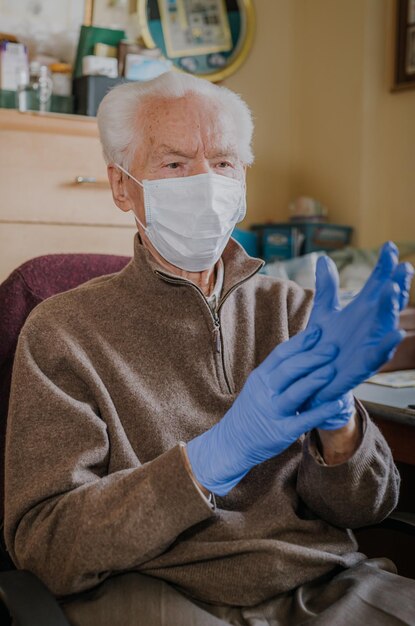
(190, 219)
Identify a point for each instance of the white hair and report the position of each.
(117, 113)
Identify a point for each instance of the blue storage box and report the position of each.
(248, 240)
(325, 237)
(278, 243)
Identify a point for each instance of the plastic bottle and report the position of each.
(45, 88)
(24, 90)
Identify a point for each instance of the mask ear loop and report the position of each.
(242, 211)
(120, 167)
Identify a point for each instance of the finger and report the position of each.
(294, 397)
(385, 266)
(376, 356)
(340, 421)
(344, 416)
(327, 283)
(298, 344)
(300, 365)
(299, 424)
(364, 365)
(388, 259)
(403, 275)
(387, 314)
(346, 397)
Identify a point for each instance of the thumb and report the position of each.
(326, 297)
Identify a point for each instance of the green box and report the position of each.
(88, 37)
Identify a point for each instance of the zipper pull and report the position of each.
(216, 337)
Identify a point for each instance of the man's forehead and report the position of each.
(175, 125)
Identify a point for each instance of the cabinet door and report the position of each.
(21, 242)
(40, 162)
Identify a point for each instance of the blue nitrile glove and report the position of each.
(366, 330)
(264, 420)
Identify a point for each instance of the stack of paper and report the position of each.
(400, 378)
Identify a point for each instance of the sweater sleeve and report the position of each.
(69, 518)
(359, 492)
(299, 303)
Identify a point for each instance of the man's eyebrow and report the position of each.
(166, 149)
(225, 153)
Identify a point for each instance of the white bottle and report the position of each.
(45, 88)
(24, 90)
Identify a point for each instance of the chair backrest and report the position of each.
(27, 286)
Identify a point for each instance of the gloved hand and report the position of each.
(264, 420)
(366, 330)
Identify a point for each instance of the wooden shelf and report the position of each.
(60, 123)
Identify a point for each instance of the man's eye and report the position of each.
(224, 164)
(173, 166)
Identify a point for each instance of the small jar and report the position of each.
(61, 79)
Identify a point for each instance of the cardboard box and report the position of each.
(99, 66)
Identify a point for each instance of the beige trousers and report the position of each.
(371, 593)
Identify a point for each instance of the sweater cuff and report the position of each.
(363, 490)
(313, 444)
(210, 499)
(177, 486)
(356, 466)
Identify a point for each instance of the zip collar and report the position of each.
(237, 264)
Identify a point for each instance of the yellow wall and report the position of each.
(264, 81)
(318, 80)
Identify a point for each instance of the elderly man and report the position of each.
(141, 397)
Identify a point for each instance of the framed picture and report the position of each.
(195, 29)
(405, 45)
(109, 13)
(208, 38)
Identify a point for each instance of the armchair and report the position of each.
(24, 600)
(27, 600)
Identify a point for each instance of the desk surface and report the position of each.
(388, 402)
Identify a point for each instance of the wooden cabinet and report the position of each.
(54, 192)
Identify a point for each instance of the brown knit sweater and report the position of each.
(108, 379)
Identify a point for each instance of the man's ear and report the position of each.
(118, 187)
